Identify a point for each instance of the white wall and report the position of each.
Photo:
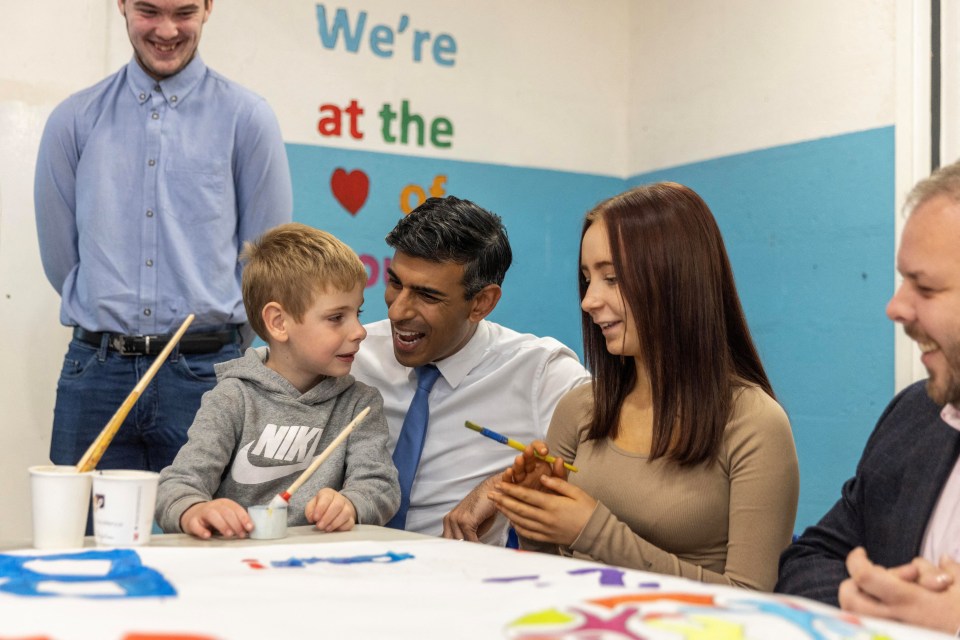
(535, 83)
(35, 73)
(718, 78)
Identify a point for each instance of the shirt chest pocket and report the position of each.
(195, 192)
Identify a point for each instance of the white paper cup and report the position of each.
(269, 523)
(60, 497)
(123, 506)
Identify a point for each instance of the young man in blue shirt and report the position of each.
(147, 185)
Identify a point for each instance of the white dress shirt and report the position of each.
(504, 380)
(943, 529)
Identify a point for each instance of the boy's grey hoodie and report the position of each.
(255, 433)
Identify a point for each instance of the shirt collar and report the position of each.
(173, 89)
(455, 368)
(951, 415)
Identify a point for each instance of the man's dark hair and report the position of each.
(454, 230)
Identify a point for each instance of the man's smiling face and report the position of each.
(428, 313)
(165, 34)
(927, 303)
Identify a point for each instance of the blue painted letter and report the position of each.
(341, 23)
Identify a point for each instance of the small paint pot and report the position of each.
(269, 523)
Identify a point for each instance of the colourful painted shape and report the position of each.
(609, 576)
(686, 598)
(606, 577)
(686, 616)
(698, 627)
(549, 616)
(126, 571)
(165, 636)
(350, 189)
(583, 624)
(381, 558)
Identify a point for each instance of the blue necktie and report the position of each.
(410, 443)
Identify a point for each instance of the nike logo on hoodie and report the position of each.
(294, 445)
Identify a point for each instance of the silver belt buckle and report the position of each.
(116, 341)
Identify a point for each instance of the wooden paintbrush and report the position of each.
(89, 460)
(283, 499)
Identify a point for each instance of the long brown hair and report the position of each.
(675, 277)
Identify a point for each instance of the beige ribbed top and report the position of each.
(724, 522)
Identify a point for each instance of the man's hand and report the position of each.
(222, 516)
(916, 593)
(474, 516)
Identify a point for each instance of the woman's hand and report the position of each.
(529, 466)
(556, 513)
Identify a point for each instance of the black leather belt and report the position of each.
(152, 345)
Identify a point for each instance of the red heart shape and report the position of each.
(350, 189)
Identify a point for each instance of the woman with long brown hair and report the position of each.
(686, 463)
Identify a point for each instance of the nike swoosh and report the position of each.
(244, 472)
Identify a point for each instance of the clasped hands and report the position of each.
(329, 510)
(918, 593)
(539, 501)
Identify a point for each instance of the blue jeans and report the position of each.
(95, 381)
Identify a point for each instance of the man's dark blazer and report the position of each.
(885, 506)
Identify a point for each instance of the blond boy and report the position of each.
(276, 408)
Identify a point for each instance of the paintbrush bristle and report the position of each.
(277, 501)
(471, 425)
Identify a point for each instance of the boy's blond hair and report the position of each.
(290, 264)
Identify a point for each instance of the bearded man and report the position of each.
(889, 545)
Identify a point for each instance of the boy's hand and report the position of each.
(331, 511)
(222, 516)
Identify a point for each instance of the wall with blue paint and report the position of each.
(810, 232)
(807, 226)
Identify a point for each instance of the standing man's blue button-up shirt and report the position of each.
(145, 192)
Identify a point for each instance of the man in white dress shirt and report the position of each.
(449, 263)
